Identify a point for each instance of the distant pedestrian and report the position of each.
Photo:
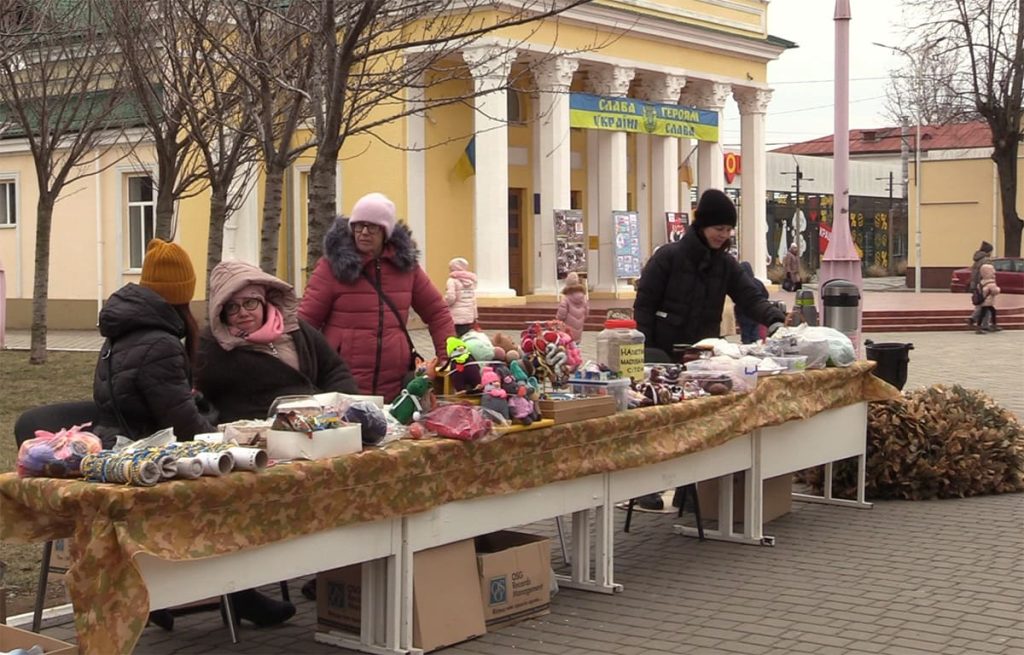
(791, 269)
(574, 306)
(989, 291)
(981, 257)
(460, 294)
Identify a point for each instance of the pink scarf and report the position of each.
(269, 332)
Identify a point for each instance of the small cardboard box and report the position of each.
(778, 498)
(515, 576)
(445, 597)
(11, 638)
(315, 445)
(60, 556)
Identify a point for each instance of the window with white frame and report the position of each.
(8, 206)
(141, 217)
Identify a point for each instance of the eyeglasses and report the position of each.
(369, 228)
(249, 304)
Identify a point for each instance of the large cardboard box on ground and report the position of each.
(11, 638)
(445, 597)
(778, 499)
(515, 576)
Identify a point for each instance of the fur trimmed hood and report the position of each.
(347, 263)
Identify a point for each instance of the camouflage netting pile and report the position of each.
(935, 442)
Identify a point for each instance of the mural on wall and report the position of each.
(570, 243)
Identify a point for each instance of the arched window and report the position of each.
(516, 112)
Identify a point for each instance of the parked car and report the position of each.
(1009, 276)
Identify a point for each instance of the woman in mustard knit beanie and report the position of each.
(143, 379)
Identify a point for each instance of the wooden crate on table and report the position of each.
(579, 409)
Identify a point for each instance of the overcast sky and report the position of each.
(802, 105)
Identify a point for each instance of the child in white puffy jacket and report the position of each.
(460, 294)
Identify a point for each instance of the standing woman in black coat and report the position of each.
(143, 379)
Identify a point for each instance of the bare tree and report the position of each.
(271, 58)
(369, 53)
(988, 36)
(148, 36)
(58, 91)
(930, 93)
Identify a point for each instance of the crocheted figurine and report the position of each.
(494, 397)
(461, 368)
(413, 400)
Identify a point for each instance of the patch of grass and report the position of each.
(66, 376)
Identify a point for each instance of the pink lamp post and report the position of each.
(841, 260)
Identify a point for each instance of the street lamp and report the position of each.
(918, 63)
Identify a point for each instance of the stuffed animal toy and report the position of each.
(461, 368)
(480, 346)
(551, 351)
(414, 400)
(494, 397)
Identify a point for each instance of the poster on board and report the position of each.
(570, 243)
(675, 226)
(627, 244)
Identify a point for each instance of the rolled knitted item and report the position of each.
(135, 469)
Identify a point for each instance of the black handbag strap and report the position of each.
(113, 399)
(394, 310)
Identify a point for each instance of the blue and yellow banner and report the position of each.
(590, 112)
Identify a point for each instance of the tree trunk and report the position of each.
(1006, 168)
(40, 287)
(215, 242)
(164, 209)
(323, 204)
(273, 186)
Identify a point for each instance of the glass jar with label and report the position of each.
(620, 347)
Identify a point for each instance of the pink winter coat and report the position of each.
(460, 294)
(573, 310)
(340, 300)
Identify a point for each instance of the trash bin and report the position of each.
(891, 361)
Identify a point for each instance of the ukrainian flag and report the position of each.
(465, 168)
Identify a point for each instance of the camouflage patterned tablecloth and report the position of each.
(184, 520)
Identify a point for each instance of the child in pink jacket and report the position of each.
(574, 307)
(460, 294)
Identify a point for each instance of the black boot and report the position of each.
(262, 611)
(651, 502)
(162, 618)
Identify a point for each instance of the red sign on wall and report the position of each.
(732, 166)
(824, 237)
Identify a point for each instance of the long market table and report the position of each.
(129, 544)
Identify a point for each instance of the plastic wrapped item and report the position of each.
(840, 348)
(57, 455)
(371, 417)
(455, 421)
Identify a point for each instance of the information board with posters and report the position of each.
(570, 243)
(627, 244)
(675, 225)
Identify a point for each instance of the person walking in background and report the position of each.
(981, 257)
(791, 269)
(989, 291)
(750, 330)
(361, 292)
(256, 348)
(460, 294)
(574, 306)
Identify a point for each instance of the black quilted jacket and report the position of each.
(151, 382)
(682, 293)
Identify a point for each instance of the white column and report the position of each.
(611, 178)
(710, 96)
(753, 219)
(553, 78)
(686, 146)
(415, 166)
(642, 199)
(490, 66)
(593, 185)
(664, 177)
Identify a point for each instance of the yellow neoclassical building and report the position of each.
(611, 122)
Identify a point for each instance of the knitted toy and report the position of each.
(505, 349)
(461, 368)
(413, 400)
(551, 351)
(494, 397)
(480, 346)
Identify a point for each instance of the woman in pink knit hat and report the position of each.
(361, 292)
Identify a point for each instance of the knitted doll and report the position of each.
(574, 306)
(494, 397)
(460, 294)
